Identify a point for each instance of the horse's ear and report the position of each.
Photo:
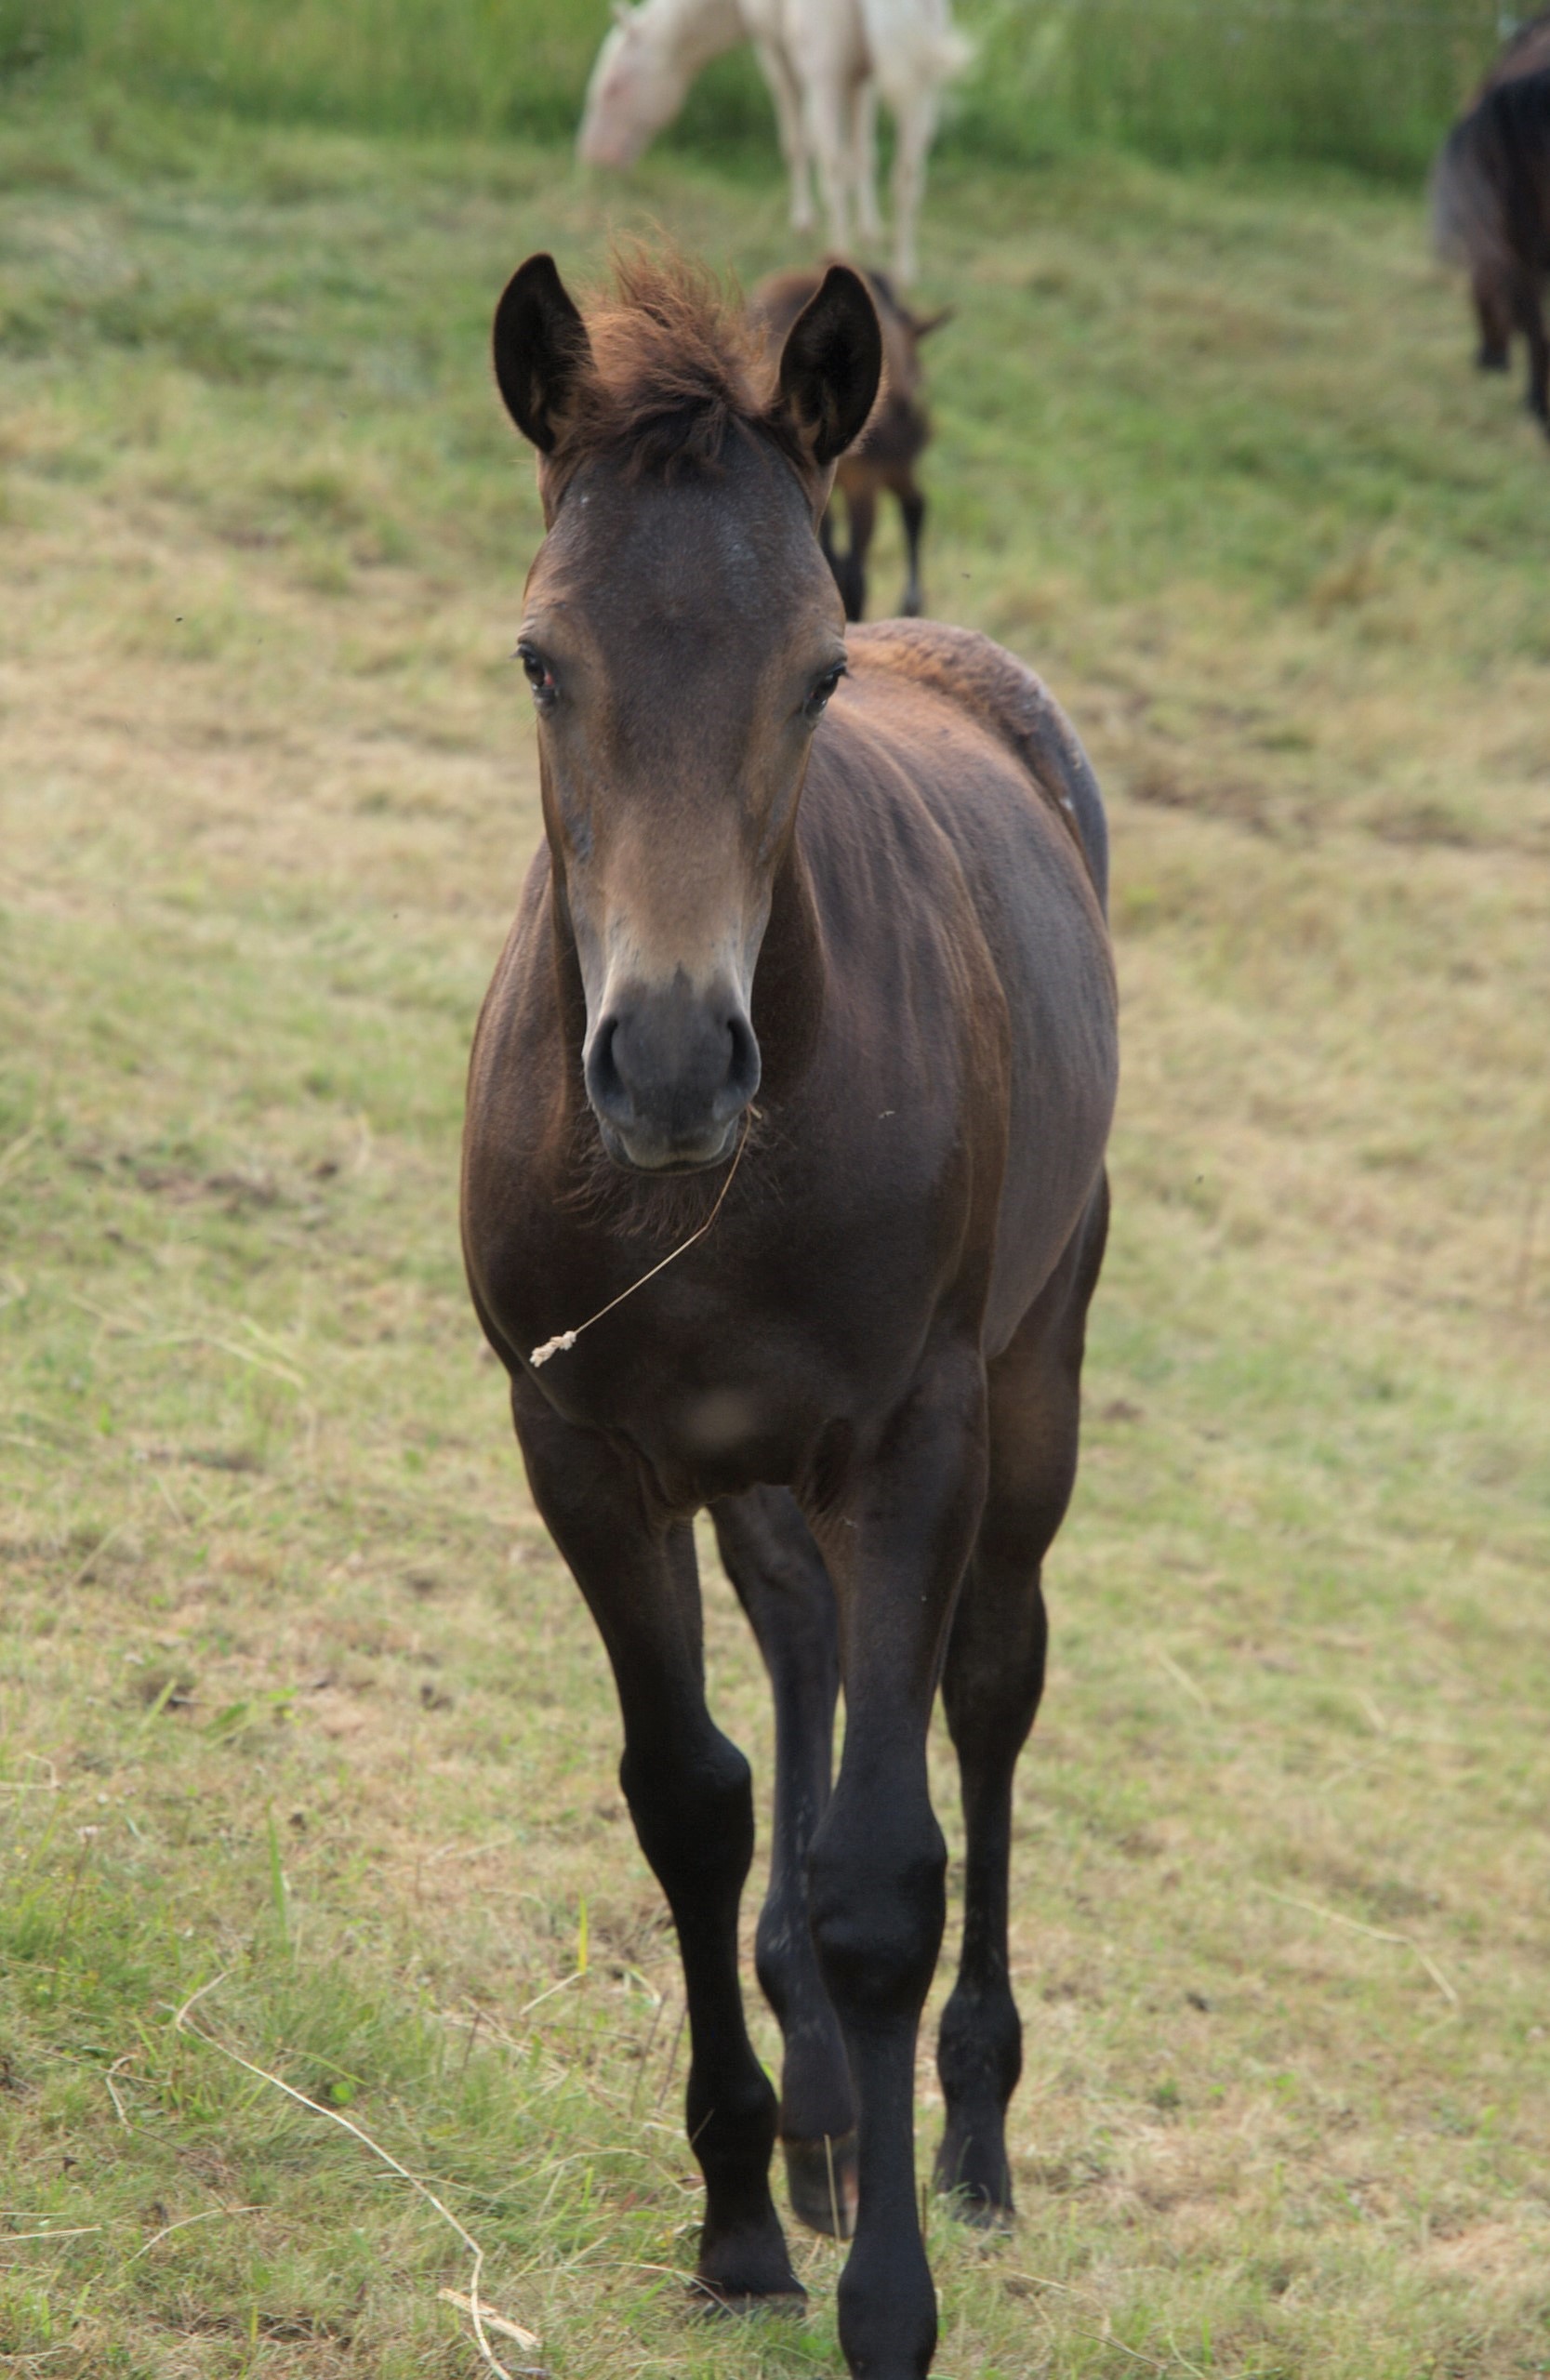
(922, 326)
(541, 351)
(830, 365)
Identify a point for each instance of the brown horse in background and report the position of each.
(864, 886)
(882, 460)
(1490, 204)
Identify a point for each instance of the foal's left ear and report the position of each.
(541, 351)
(830, 365)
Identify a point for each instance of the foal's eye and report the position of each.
(540, 677)
(821, 690)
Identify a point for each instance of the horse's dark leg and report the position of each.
(897, 1538)
(1494, 352)
(838, 562)
(994, 1676)
(690, 1796)
(1529, 317)
(782, 1584)
(912, 505)
(861, 506)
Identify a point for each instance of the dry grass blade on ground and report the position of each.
(291, 1684)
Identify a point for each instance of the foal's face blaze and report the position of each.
(680, 640)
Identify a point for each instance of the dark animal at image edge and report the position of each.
(882, 460)
(1491, 207)
(874, 903)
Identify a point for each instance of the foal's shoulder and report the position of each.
(1011, 702)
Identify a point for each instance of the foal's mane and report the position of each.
(676, 372)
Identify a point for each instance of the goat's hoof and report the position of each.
(821, 2179)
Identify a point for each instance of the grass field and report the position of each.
(1371, 83)
(293, 1693)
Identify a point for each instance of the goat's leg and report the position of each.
(994, 1677)
(827, 113)
(896, 1538)
(868, 215)
(914, 122)
(792, 132)
(690, 1795)
(783, 1586)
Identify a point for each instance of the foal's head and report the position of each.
(681, 636)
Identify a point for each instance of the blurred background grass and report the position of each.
(1369, 84)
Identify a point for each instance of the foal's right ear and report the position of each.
(831, 364)
(541, 351)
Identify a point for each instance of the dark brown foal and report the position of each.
(882, 460)
(865, 887)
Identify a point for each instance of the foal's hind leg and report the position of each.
(690, 1795)
(785, 1588)
(912, 506)
(991, 1686)
(861, 508)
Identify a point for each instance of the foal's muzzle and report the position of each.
(669, 1073)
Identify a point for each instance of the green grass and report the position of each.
(1372, 84)
(292, 1689)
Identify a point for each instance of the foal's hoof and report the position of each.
(976, 2185)
(821, 2177)
(743, 2269)
(980, 2211)
(708, 2297)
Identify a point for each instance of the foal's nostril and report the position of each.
(671, 1068)
(605, 1085)
(743, 1068)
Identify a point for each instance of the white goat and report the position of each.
(826, 63)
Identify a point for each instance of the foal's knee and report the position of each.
(979, 2046)
(693, 1814)
(878, 1901)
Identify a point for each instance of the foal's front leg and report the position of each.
(897, 1547)
(769, 1554)
(690, 1795)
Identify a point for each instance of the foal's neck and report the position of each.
(790, 979)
